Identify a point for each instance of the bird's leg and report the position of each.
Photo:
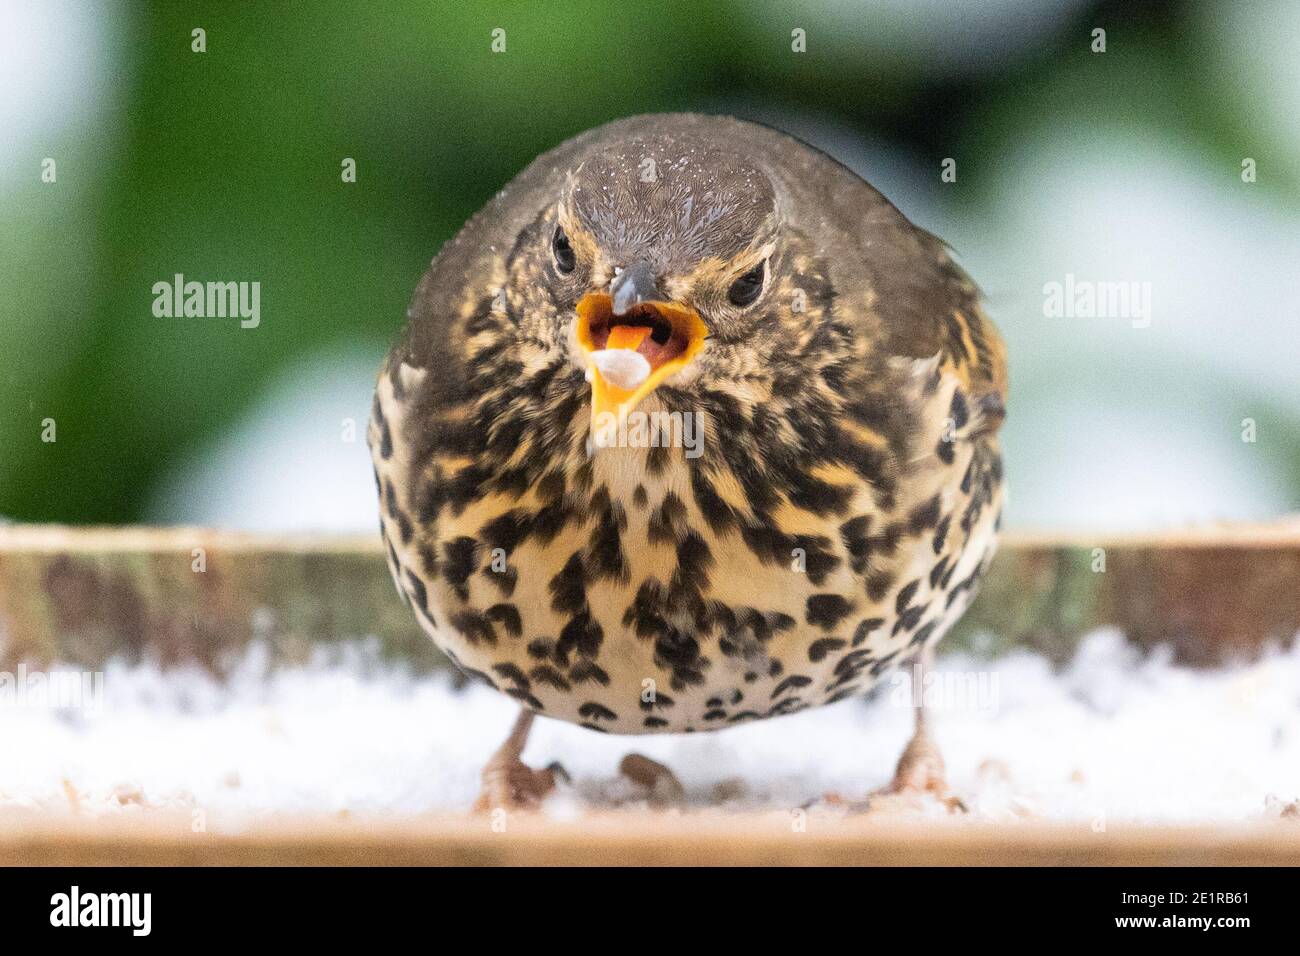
(920, 768)
(510, 784)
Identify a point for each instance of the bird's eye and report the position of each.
(748, 287)
(564, 258)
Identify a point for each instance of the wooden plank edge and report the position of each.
(641, 840)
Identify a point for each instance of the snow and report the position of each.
(1115, 736)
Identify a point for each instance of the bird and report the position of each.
(689, 427)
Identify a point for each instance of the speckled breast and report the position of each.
(617, 599)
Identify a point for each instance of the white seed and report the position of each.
(623, 368)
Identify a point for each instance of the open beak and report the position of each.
(631, 352)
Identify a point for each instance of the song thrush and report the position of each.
(689, 427)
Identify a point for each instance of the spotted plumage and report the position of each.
(842, 499)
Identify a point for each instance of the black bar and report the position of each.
(656, 906)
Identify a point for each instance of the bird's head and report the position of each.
(662, 257)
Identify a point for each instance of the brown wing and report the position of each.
(966, 340)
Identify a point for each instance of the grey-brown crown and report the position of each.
(674, 198)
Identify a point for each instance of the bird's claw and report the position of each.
(919, 781)
(662, 783)
(510, 784)
(920, 772)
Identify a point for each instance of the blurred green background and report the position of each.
(225, 165)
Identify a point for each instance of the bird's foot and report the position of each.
(662, 783)
(920, 773)
(510, 784)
